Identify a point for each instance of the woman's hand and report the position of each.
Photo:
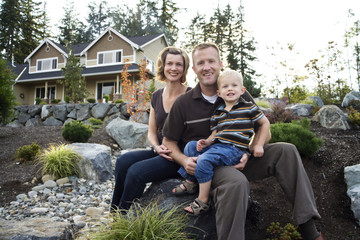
(163, 151)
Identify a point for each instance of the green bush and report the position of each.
(55, 101)
(77, 131)
(37, 101)
(355, 104)
(95, 123)
(297, 133)
(91, 100)
(262, 103)
(119, 101)
(27, 152)
(354, 115)
(59, 161)
(150, 222)
(7, 97)
(277, 232)
(106, 97)
(67, 99)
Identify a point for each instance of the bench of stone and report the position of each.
(161, 192)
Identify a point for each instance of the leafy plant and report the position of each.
(27, 152)
(282, 233)
(297, 133)
(67, 99)
(91, 100)
(106, 97)
(119, 101)
(7, 97)
(59, 161)
(37, 101)
(95, 123)
(354, 115)
(262, 103)
(355, 104)
(150, 222)
(280, 114)
(55, 101)
(77, 131)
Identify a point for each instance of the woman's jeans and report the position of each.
(133, 170)
(218, 154)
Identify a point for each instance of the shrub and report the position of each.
(7, 97)
(262, 103)
(282, 233)
(106, 97)
(37, 101)
(77, 131)
(150, 222)
(55, 101)
(354, 115)
(280, 114)
(91, 100)
(95, 123)
(27, 152)
(355, 104)
(119, 101)
(67, 99)
(59, 161)
(297, 133)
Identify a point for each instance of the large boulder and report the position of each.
(83, 112)
(352, 179)
(46, 111)
(317, 100)
(349, 97)
(128, 134)
(36, 228)
(100, 110)
(331, 116)
(302, 109)
(51, 121)
(95, 163)
(60, 112)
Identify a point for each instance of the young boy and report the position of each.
(232, 126)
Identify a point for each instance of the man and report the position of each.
(189, 120)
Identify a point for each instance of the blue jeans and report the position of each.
(218, 154)
(133, 170)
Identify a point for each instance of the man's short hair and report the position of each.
(205, 45)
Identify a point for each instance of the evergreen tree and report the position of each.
(70, 28)
(75, 85)
(7, 97)
(168, 11)
(44, 23)
(10, 28)
(98, 18)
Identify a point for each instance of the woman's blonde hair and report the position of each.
(160, 63)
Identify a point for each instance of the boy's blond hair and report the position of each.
(231, 73)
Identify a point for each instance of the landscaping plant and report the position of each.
(297, 133)
(280, 114)
(27, 152)
(282, 233)
(95, 123)
(59, 161)
(354, 115)
(140, 223)
(76, 131)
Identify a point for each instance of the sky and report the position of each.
(309, 24)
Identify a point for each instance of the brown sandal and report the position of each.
(198, 207)
(190, 188)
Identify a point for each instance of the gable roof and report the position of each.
(145, 40)
(47, 41)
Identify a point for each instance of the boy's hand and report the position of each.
(201, 144)
(258, 151)
(243, 160)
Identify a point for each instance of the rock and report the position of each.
(34, 110)
(50, 184)
(60, 112)
(48, 177)
(330, 116)
(14, 123)
(352, 179)
(95, 212)
(112, 111)
(100, 110)
(51, 121)
(96, 161)
(33, 122)
(128, 134)
(35, 228)
(317, 100)
(349, 97)
(302, 109)
(72, 114)
(140, 117)
(62, 181)
(46, 111)
(23, 118)
(83, 113)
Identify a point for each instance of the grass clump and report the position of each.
(59, 161)
(140, 223)
(282, 233)
(95, 123)
(297, 133)
(27, 152)
(76, 131)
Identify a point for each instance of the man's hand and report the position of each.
(190, 165)
(258, 151)
(164, 152)
(243, 160)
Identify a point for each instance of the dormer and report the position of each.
(47, 57)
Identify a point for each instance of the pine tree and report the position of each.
(168, 11)
(10, 27)
(70, 28)
(75, 85)
(7, 97)
(98, 18)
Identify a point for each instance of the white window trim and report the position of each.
(50, 70)
(152, 70)
(113, 60)
(49, 86)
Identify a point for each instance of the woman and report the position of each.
(136, 168)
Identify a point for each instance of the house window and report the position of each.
(110, 57)
(105, 88)
(40, 92)
(46, 64)
(150, 65)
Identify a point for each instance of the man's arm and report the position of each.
(189, 163)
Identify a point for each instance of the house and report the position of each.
(103, 60)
